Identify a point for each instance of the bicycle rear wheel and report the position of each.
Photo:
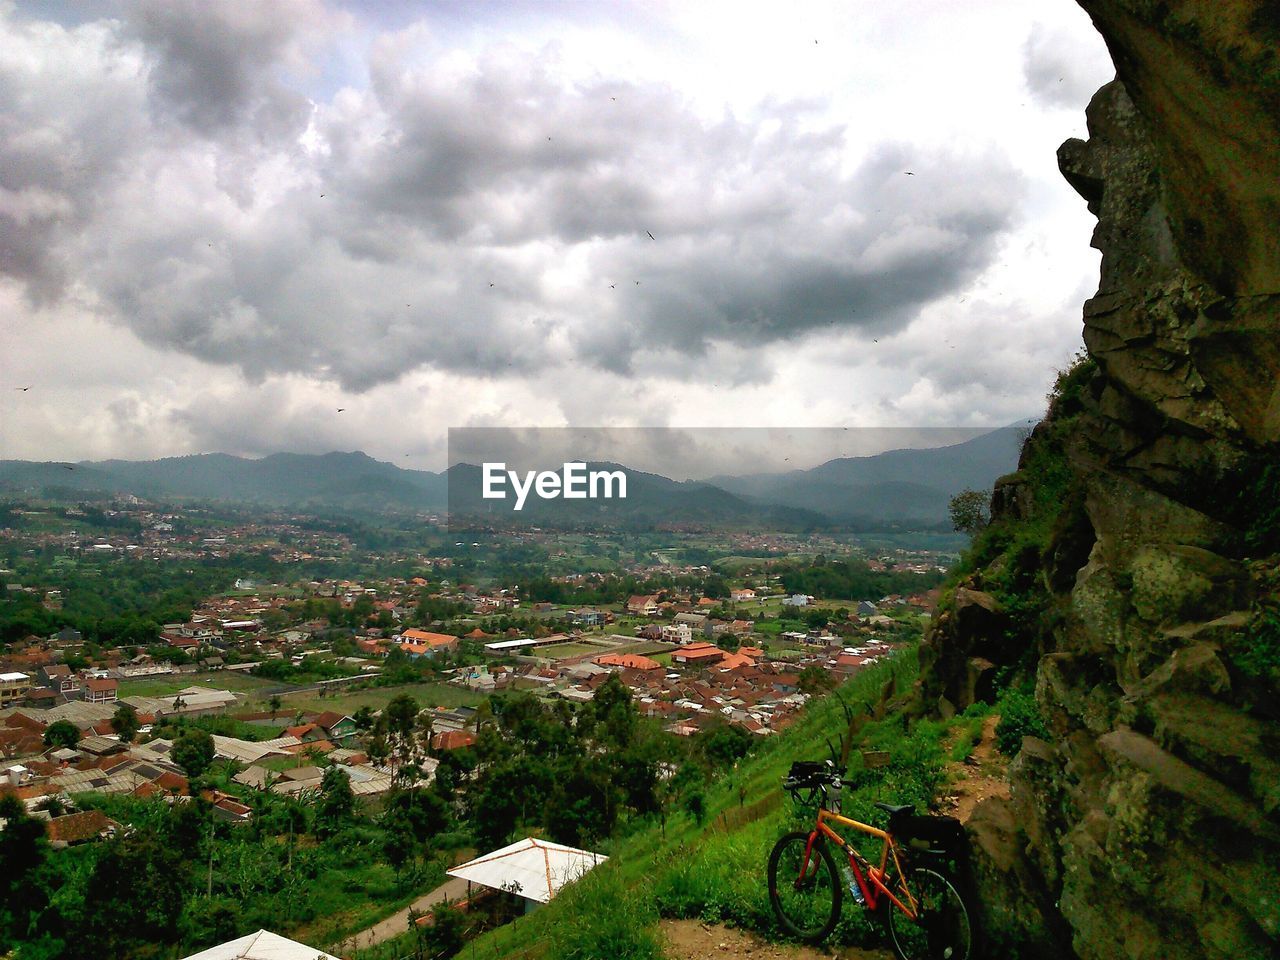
(805, 895)
(943, 930)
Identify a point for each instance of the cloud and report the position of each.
(483, 212)
(230, 219)
(1061, 66)
(216, 65)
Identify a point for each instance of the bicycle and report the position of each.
(925, 915)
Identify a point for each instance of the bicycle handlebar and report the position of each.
(809, 777)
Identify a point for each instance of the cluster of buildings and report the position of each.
(700, 685)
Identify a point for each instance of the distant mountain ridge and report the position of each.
(906, 484)
(898, 486)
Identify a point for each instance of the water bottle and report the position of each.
(851, 882)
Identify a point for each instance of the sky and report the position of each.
(305, 226)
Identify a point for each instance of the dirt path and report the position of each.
(980, 776)
(396, 924)
(693, 940)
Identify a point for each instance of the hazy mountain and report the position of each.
(651, 499)
(350, 480)
(896, 486)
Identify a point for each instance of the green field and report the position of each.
(560, 650)
(375, 698)
(169, 684)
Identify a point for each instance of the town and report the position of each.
(253, 663)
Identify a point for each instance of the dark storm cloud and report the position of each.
(217, 64)
(67, 121)
(483, 214)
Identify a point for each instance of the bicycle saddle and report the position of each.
(893, 809)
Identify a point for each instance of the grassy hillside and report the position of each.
(714, 870)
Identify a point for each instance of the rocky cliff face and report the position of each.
(1131, 567)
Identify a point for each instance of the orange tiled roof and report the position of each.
(79, 826)
(425, 637)
(630, 661)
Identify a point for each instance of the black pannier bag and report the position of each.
(938, 836)
(803, 771)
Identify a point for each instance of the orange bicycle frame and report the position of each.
(870, 878)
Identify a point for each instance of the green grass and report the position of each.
(560, 650)
(716, 872)
(428, 694)
(167, 685)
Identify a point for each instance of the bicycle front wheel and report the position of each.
(805, 892)
(942, 929)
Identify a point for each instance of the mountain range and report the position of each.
(908, 486)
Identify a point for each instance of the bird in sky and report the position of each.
(908, 173)
(322, 196)
(341, 409)
(67, 466)
(23, 389)
(651, 236)
(491, 284)
(637, 283)
(612, 287)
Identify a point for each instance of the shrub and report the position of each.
(1258, 656)
(1019, 717)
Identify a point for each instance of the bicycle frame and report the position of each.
(869, 877)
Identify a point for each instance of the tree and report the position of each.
(125, 723)
(337, 802)
(446, 933)
(62, 733)
(193, 751)
(24, 851)
(275, 703)
(815, 679)
(970, 511)
(723, 745)
(402, 715)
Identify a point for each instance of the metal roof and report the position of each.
(262, 945)
(533, 869)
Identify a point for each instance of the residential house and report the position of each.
(679, 632)
(590, 618)
(422, 643)
(628, 661)
(642, 605)
(694, 621)
(337, 726)
(453, 740)
(698, 654)
(14, 688)
(866, 609)
(67, 637)
(74, 828)
(742, 594)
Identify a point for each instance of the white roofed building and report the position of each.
(262, 945)
(530, 868)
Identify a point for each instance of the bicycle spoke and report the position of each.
(805, 895)
(941, 930)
